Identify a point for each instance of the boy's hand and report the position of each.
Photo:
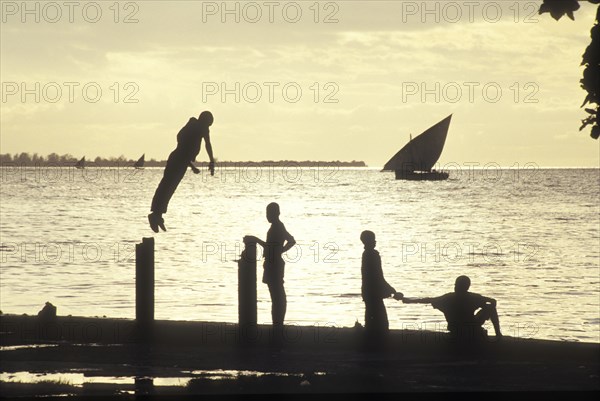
(398, 296)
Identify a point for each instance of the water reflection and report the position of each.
(506, 232)
(77, 378)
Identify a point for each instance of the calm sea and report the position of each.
(528, 237)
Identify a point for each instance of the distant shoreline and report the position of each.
(162, 163)
(25, 159)
(268, 164)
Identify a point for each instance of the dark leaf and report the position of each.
(558, 8)
(586, 100)
(587, 121)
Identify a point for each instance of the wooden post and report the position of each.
(144, 282)
(247, 287)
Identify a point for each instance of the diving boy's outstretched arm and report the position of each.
(209, 149)
(211, 164)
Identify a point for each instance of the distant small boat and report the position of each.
(416, 159)
(80, 163)
(139, 164)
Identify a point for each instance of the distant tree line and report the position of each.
(54, 159)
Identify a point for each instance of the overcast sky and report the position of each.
(370, 73)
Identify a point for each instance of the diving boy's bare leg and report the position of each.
(173, 175)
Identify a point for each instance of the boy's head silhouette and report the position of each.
(206, 117)
(368, 239)
(272, 212)
(462, 284)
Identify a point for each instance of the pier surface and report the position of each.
(223, 358)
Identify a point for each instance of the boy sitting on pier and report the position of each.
(459, 309)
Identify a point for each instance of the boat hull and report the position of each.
(421, 176)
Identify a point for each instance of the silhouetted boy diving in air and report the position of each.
(459, 309)
(189, 141)
(278, 242)
(374, 287)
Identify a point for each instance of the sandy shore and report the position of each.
(222, 358)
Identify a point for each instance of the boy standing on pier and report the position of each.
(278, 242)
(189, 141)
(374, 287)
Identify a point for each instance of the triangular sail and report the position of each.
(421, 153)
(81, 163)
(140, 162)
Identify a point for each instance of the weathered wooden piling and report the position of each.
(144, 283)
(247, 288)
